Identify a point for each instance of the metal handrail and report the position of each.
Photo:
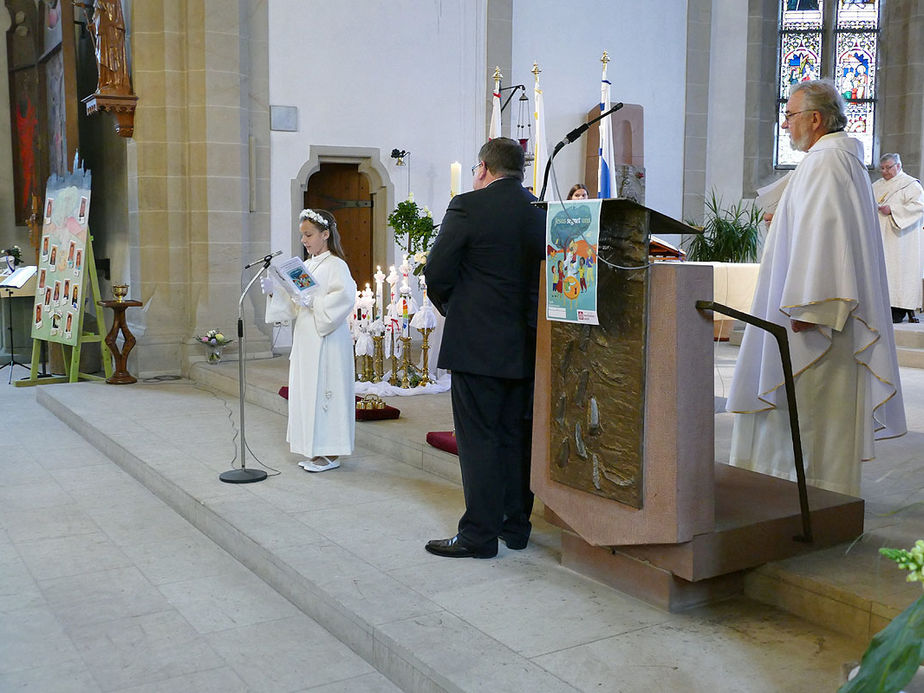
(782, 340)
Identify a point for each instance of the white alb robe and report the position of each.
(322, 406)
(822, 263)
(901, 237)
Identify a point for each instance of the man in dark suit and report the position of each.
(483, 275)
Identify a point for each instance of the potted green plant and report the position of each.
(896, 653)
(730, 234)
(414, 230)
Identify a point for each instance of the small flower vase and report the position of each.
(215, 353)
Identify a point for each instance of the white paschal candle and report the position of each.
(455, 178)
(379, 277)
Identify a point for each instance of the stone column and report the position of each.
(202, 81)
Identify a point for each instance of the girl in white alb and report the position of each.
(322, 409)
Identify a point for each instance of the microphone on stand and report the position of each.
(571, 137)
(265, 259)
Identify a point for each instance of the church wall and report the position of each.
(646, 44)
(726, 99)
(407, 74)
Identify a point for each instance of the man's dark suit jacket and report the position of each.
(483, 275)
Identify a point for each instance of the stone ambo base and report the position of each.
(756, 518)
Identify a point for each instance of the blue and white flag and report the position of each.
(606, 171)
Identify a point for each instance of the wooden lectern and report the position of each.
(623, 437)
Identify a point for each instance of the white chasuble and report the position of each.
(901, 237)
(322, 406)
(823, 264)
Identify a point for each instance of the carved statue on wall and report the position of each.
(107, 31)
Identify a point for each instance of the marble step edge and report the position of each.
(392, 647)
(379, 436)
(818, 601)
(909, 357)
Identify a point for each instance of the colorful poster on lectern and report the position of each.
(571, 237)
(62, 259)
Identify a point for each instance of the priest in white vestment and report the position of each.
(822, 276)
(901, 216)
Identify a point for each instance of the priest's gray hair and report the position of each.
(821, 95)
(894, 158)
(503, 157)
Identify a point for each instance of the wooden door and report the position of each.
(342, 190)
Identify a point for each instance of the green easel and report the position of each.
(72, 353)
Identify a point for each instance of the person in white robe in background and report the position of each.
(901, 216)
(822, 276)
(322, 406)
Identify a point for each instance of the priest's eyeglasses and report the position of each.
(787, 116)
(477, 166)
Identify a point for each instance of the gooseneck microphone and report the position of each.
(571, 137)
(263, 260)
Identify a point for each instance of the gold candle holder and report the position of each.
(378, 357)
(425, 350)
(120, 291)
(359, 369)
(393, 380)
(367, 368)
(405, 361)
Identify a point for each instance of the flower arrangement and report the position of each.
(413, 225)
(897, 651)
(214, 338)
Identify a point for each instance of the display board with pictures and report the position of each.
(62, 263)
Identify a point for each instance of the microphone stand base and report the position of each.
(242, 476)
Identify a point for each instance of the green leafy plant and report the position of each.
(413, 226)
(897, 651)
(729, 235)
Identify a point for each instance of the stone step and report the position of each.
(909, 335)
(911, 358)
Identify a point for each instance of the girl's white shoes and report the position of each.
(319, 464)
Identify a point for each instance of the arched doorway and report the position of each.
(343, 190)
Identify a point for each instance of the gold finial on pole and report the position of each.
(536, 70)
(605, 59)
(497, 74)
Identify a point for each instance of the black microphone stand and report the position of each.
(244, 475)
(13, 361)
(569, 138)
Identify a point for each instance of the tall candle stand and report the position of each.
(367, 369)
(405, 361)
(425, 349)
(378, 358)
(393, 380)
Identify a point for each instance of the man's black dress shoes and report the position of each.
(513, 542)
(454, 548)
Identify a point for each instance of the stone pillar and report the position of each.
(202, 206)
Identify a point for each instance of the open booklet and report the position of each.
(18, 278)
(293, 277)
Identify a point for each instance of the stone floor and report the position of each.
(125, 565)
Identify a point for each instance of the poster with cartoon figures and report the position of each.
(59, 296)
(571, 237)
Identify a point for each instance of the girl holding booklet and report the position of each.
(322, 408)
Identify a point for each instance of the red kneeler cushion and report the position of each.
(361, 414)
(444, 440)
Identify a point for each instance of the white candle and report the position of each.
(379, 277)
(455, 178)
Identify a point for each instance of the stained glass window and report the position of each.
(855, 34)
